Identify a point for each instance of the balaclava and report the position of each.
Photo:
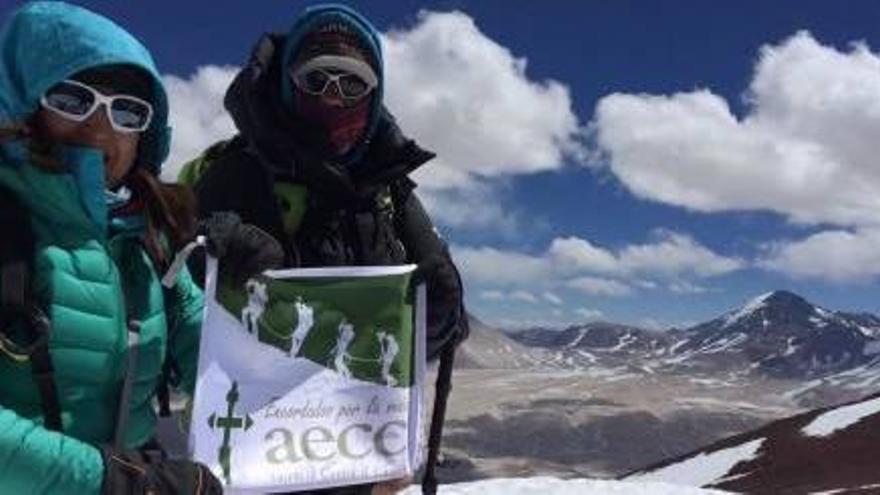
(342, 126)
(338, 31)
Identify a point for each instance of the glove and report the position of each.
(244, 250)
(447, 323)
(133, 473)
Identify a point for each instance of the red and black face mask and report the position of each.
(333, 81)
(343, 127)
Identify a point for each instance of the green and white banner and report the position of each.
(311, 378)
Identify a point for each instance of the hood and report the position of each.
(281, 142)
(319, 15)
(43, 43)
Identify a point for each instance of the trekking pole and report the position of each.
(442, 388)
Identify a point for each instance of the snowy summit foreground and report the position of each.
(555, 486)
(829, 450)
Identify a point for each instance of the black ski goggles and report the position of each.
(352, 78)
(77, 101)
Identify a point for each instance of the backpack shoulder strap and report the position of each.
(170, 374)
(194, 169)
(18, 306)
(16, 257)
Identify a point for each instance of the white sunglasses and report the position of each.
(353, 78)
(77, 101)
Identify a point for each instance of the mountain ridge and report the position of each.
(778, 334)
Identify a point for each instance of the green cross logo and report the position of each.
(227, 424)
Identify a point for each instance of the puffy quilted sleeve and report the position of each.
(36, 460)
(186, 319)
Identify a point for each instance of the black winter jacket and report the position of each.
(364, 214)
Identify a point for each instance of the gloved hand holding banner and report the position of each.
(310, 378)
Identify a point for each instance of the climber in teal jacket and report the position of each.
(83, 131)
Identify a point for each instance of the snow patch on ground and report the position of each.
(674, 348)
(723, 344)
(750, 307)
(554, 486)
(710, 402)
(847, 490)
(586, 355)
(841, 418)
(703, 468)
(709, 382)
(623, 342)
(819, 322)
(794, 393)
(871, 348)
(824, 313)
(870, 332)
(577, 341)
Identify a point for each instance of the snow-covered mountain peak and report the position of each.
(777, 334)
(783, 335)
(747, 310)
(775, 305)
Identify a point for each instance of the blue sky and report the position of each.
(645, 162)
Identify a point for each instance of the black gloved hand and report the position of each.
(442, 281)
(446, 321)
(244, 250)
(132, 473)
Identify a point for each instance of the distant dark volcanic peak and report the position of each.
(771, 313)
(776, 335)
(781, 334)
(782, 295)
(788, 300)
(597, 334)
(780, 306)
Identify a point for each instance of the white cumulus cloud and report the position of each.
(579, 264)
(470, 99)
(685, 287)
(197, 116)
(645, 284)
(589, 313)
(523, 296)
(552, 298)
(670, 254)
(676, 254)
(493, 295)
(519, 295)
(597, 286)
(836, 255)
(477, 207)
(806, 147)
(580, 254)
(500, 267)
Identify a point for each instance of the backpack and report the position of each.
(192, 171)
(21, 318)
(295, 200)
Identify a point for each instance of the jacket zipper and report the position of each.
(132, 333)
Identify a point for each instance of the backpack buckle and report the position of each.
(38, 323)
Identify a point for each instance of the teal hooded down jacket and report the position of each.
(91, 272)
